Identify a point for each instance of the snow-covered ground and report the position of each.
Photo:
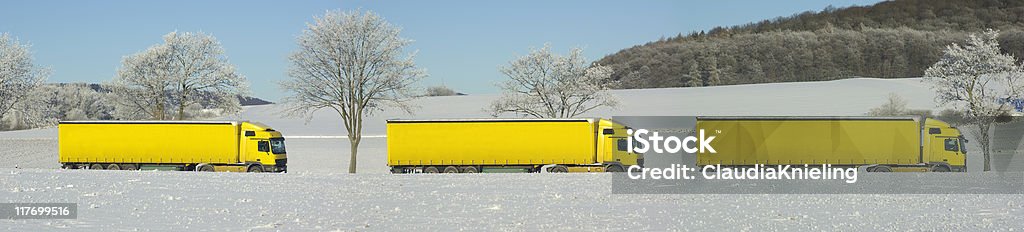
(316, 195)
(109, 200)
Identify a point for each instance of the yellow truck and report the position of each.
(238, 146)
(880, 144)
(508, 145)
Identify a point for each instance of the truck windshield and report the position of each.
(963, 145)
(277, 145)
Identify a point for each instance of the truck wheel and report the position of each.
(559, 169)
(470, 169)
(113, 167)
(430, 169)
(451, 169)
(940, 168)
(96, 166)
(614, 168)
(68, 166)
(206, 168)
(256, 168)
(129, 167)
(881, 169)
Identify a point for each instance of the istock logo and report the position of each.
(671, 144)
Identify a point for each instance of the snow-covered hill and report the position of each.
(839, 98)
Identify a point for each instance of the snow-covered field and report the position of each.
(110, 200)
(317, 195)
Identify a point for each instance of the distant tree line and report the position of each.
(440, 90)
(49, 103)
(889, 39)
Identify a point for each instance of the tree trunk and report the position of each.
(181, 107)
(354, 147)
(985, 143)
(158, 114)
(181, 112)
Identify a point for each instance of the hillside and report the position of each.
(890, 39)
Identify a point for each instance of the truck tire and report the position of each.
(559, 169)
(430, 169)
(614, 168)
(68, 166)
(255, 168)
(206, 168)
(451, 169)
(113, 167)
(881, 168)
(96, 166)
(129, 167)
(470, 169)
(940, 168)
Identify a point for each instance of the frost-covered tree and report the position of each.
(974, 77)
(440, 90)
(202, 75)
(53, 102)
(694, 79)
(353, 63)
(140, 89)
(547, 85)
(187, 71)
(895, 105)
(18, 75)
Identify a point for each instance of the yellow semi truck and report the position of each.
(238, 146)
(508, 145)
(880, 144)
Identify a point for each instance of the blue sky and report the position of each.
(459, 43)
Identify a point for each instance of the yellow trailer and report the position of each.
(507, 145)
(174, 145)
(881, 144)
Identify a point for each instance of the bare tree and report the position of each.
(974, 77)
(18, 75)
(351, 62)
(547, 85)
(187, 71)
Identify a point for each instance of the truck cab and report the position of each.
(262, 148)
(944, 147)
(614, 145)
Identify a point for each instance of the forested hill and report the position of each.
(890, 39)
